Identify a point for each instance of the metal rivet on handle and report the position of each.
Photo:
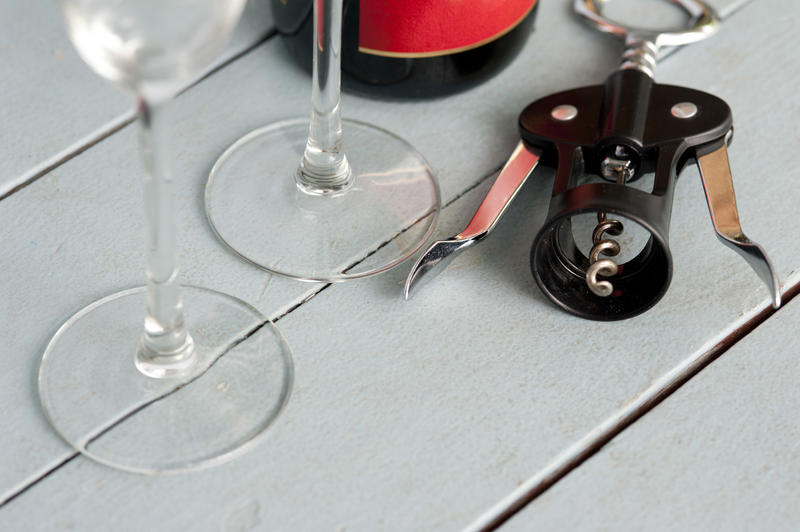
(564, 113)
(684, 110)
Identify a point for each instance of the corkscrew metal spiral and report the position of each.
(608, 247)
(619, 168)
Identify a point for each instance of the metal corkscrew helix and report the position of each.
(621, 130)
(619, 169)
(608, 247)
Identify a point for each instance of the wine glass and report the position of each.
(288, 199)
(133, 380)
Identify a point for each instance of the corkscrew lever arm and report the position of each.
(715, 173)
(513, 175)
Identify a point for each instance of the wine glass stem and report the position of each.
(166, 347)
(324, 168)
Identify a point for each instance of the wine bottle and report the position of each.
(414, 48)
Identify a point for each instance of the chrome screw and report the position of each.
(564, 113)
(684, 110)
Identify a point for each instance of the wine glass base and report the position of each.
(256, 208)
(103, 406)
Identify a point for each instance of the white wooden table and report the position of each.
(471, 399)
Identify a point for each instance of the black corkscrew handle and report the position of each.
(651, 128)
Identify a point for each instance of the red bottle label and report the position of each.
(426, 28)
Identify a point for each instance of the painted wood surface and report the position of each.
(405, 416)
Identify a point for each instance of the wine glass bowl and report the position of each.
(150, 47)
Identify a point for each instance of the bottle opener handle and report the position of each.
(715, 172)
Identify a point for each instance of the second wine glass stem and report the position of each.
(166, 348)
(324, 168)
